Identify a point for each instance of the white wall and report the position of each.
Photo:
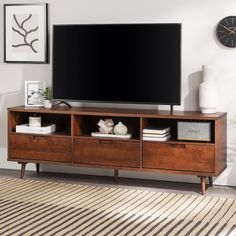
(199, 46)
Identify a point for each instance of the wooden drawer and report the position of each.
(188, 157)
(45, 148)
(107, 152)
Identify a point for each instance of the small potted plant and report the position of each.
(47, 95)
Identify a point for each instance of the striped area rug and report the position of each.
(29, 207)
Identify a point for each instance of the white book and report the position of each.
(156, 130)
(157, 139)
(156, 135)
(44, 129)
(122, 136)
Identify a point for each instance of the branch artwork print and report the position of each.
(25, 32)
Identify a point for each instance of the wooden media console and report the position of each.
(72, 143)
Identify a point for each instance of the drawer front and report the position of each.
(107, 152)
(45, 148)
(188, 157)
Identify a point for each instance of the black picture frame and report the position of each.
(26, 33)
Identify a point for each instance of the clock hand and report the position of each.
(231, 31)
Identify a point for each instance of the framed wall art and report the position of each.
(26, 33)
(33, 93)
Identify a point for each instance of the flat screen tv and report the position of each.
(125, 63)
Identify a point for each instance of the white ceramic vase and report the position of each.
(120, 129)
(47, 103)
(208, 90)
(35, 121)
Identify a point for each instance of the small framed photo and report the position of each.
(26, 33)
(33, 95)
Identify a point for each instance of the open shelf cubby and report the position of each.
(173, 124)
(84, 125)
(62, 121)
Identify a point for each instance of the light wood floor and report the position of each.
(188, 188)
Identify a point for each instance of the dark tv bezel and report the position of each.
(119, 102)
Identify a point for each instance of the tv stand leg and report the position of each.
(37, 167)
(61, 102)
(22, 171)
(116, 175)
(210, 181)
(203, 184)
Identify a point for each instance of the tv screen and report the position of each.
(127, 63)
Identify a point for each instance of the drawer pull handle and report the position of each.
(35, 138)
(177, 145)
(105, 142)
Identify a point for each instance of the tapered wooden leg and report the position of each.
(37, 167)
(22, 171)
(116, 175)
(203, 184)
(210, 181)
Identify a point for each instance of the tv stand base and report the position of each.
(61, 102)
(171, 109)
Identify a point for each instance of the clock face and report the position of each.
(226, 31)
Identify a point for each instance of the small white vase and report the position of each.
(208, 90)
(35, 121)
(47, 103)
(120, 129)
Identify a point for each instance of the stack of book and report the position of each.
(155, 133)
(43, 129)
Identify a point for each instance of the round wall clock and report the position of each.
(226, 31)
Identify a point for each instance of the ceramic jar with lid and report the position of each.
(120, 129)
